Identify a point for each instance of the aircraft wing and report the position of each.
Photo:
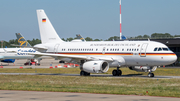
(76, 57)
(9, 51)
(21, 46)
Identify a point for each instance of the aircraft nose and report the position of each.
(173, 58)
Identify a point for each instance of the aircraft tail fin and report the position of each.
(22, 41)
(47, 31)
(80, 37)
(123, 37)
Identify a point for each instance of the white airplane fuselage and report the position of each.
(126, 53)
(16, 53)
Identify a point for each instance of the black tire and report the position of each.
(61, 62)
(114, 72)
(82, 73)
(88, 74)
(119, 73)
(151, 75)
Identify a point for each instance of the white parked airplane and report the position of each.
(98, 56)
(16, 53)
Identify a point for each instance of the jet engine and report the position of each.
(95, 66)
(143, 68)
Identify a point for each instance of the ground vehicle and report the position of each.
(31, 62)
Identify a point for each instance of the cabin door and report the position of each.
(56, 48)
(143, 49)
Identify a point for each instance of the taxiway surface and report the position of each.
(7, 95)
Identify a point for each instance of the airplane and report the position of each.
(16, 53)
(7, 60)
(98, 56)
(9, 55)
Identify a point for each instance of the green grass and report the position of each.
(125, 71)
(104, 85)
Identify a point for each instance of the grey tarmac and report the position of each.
(95, 75)
(8, 95)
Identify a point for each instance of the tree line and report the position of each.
(38, 41)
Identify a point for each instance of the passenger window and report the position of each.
(155, 49)
(160, 49)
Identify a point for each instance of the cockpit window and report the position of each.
(155, 49)
(159, 49)
(165, 49)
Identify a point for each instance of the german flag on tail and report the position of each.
(43, 20)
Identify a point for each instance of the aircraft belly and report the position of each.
(17, 57)
(129, 60)
(137, 61)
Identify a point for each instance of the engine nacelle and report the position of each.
(143, 68)
(95, 66)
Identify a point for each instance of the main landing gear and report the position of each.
(83, 73)
(117, 72)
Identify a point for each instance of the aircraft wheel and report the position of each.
(114, 72)
(119, 73)
(88, 74)
(151, 75)
(83, 73)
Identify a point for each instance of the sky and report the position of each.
(90, 18)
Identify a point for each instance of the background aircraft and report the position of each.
(9, 55)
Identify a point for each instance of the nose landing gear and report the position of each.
(151, 74)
